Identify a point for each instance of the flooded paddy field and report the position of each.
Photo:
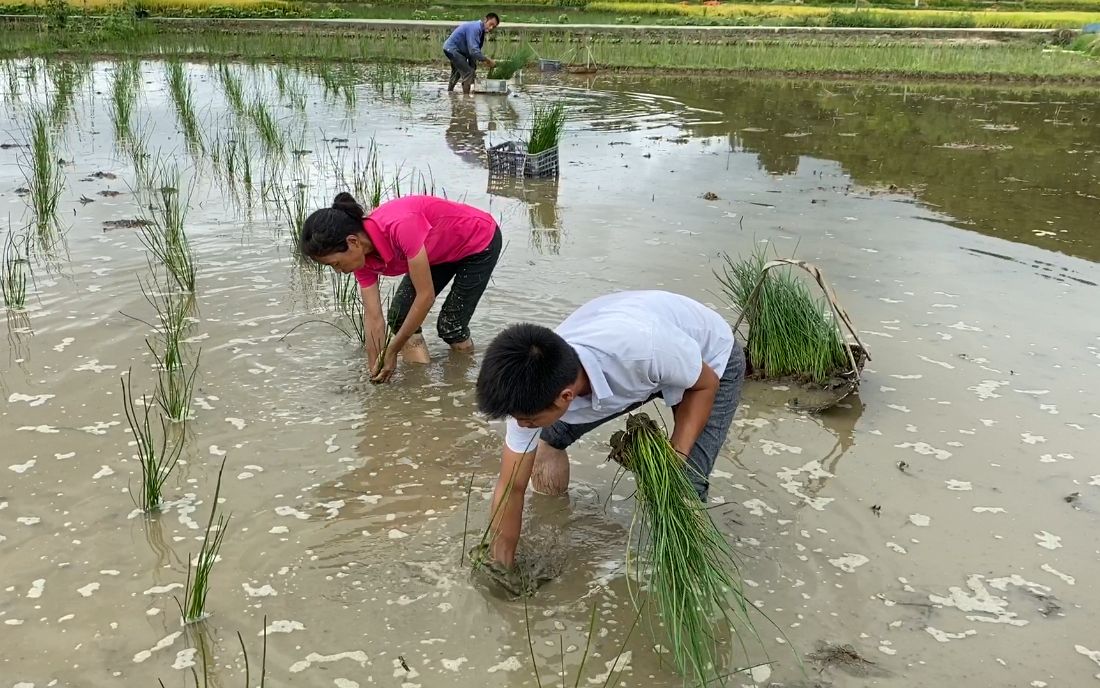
(940, 526)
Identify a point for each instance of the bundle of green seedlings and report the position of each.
(679, 554)
(13, 281)
(505, 69)
(157, 459)
(791, 333)
(547, 125)
(197, 588)
(45, 178)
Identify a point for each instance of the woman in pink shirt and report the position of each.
(431, 241)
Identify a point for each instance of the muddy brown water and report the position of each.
(972, 282)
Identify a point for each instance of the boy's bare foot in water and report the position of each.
(416, 350)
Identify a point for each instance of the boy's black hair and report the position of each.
(493, 15)
(524, 369)
(327, 230)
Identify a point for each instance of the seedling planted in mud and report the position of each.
(123, 93)
(348, 303)
(45, 178)
(233, 89)
(267, 128)
(198, 586)
(183, 98)
(175, 383)
(157, 459)
(165, 237)
(13, 281)
(204, 658)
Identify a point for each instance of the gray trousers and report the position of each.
(463, 68)
(701, 460)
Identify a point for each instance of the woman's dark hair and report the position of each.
(524, 370)
(326, 230)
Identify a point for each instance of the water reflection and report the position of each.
(463, 135)
(541, 198)
(1023, 165)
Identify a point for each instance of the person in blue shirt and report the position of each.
(463, 49)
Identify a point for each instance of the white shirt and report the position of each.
(632, 345)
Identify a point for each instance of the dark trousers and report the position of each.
(463, 68)
(701, 460)
(471, 275)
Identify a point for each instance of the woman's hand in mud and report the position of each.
(389, 364)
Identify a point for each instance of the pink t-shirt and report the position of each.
(399, 228)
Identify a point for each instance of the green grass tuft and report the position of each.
(547, 125)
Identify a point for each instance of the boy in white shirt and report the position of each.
(612, 355)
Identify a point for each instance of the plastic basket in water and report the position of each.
(549, 65)
(494, 86)
(511, 158)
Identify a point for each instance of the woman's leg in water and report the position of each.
(472, 276)
(416, 349)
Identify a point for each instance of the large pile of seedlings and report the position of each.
(791, 332)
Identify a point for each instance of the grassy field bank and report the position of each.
(1040, 14)
(875, 56)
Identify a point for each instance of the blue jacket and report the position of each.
(467, 39)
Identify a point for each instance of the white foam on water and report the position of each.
(88, 590)
(94, 366)
(920, 520)
(291, 511)
(1028, 438)
(897, 548)
(959, 485)
(22, 467)
(161, 589)
(64, 343)
(1094, 655)
(849, 562)
(236, 422)
(262, 591)
(315, 658)
(454, 664)
(279, 530)
(1048, 540)
(988, 510)
(164, 642)
(510, 664)
(345, 683)
(1069, 580)
(772, 448)
(983, 606)
(945, 637)
(100, 427)
(103, 472)
(283, 626)
(44, 429)
(987, 389)
(925, 449)
(31, 399)
(396, 534)
(370, 499)
(757, 507)
(37, 586)
(29, 520)
(185, 659)
(621, 663)
(933, 361)
(62, 457)
(898, 407)
(963, 327)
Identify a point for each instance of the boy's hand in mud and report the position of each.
(389, 364)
